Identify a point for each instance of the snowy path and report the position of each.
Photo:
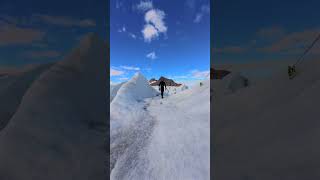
(179, 145)
(170, 142)
(153, 138)
(129, 144)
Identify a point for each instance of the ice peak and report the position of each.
(90, 40)
(137, 74)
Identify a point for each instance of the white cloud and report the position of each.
(123, 78)
(14, 35)
(198, 18)
(145, 5)
(152, 55)
(130, 68)
(114, 72)
(123, 29)
(155, 24)
(205, 9)
(149, 32)
(155, 17)
(200, 74)
(65, 21)
(132, 35)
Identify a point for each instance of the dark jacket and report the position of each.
(162, 85)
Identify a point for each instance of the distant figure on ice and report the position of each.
(162, 85)
(291, 71)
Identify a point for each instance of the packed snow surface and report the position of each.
(269, 130)
(13, 85)
(172, 89)
(114, 90)
(154, 138)
(58, 129)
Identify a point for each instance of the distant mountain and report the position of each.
(169, 82)
(218, 74)
(152, 80)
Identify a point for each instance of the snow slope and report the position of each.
(127, 113)
(180, 146)
(129, 94)
(167, 138)
(114, 90)
(270, 130)
(12, 88)
(59, 129)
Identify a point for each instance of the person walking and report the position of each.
(162, 86)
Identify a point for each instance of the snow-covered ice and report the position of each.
(269, 130)
(114, 90)
(59, 127)
(13, 85)
(154, 138)
(172, 89)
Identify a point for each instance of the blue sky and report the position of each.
(254, 31)
(160, 38)
(38, 31)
